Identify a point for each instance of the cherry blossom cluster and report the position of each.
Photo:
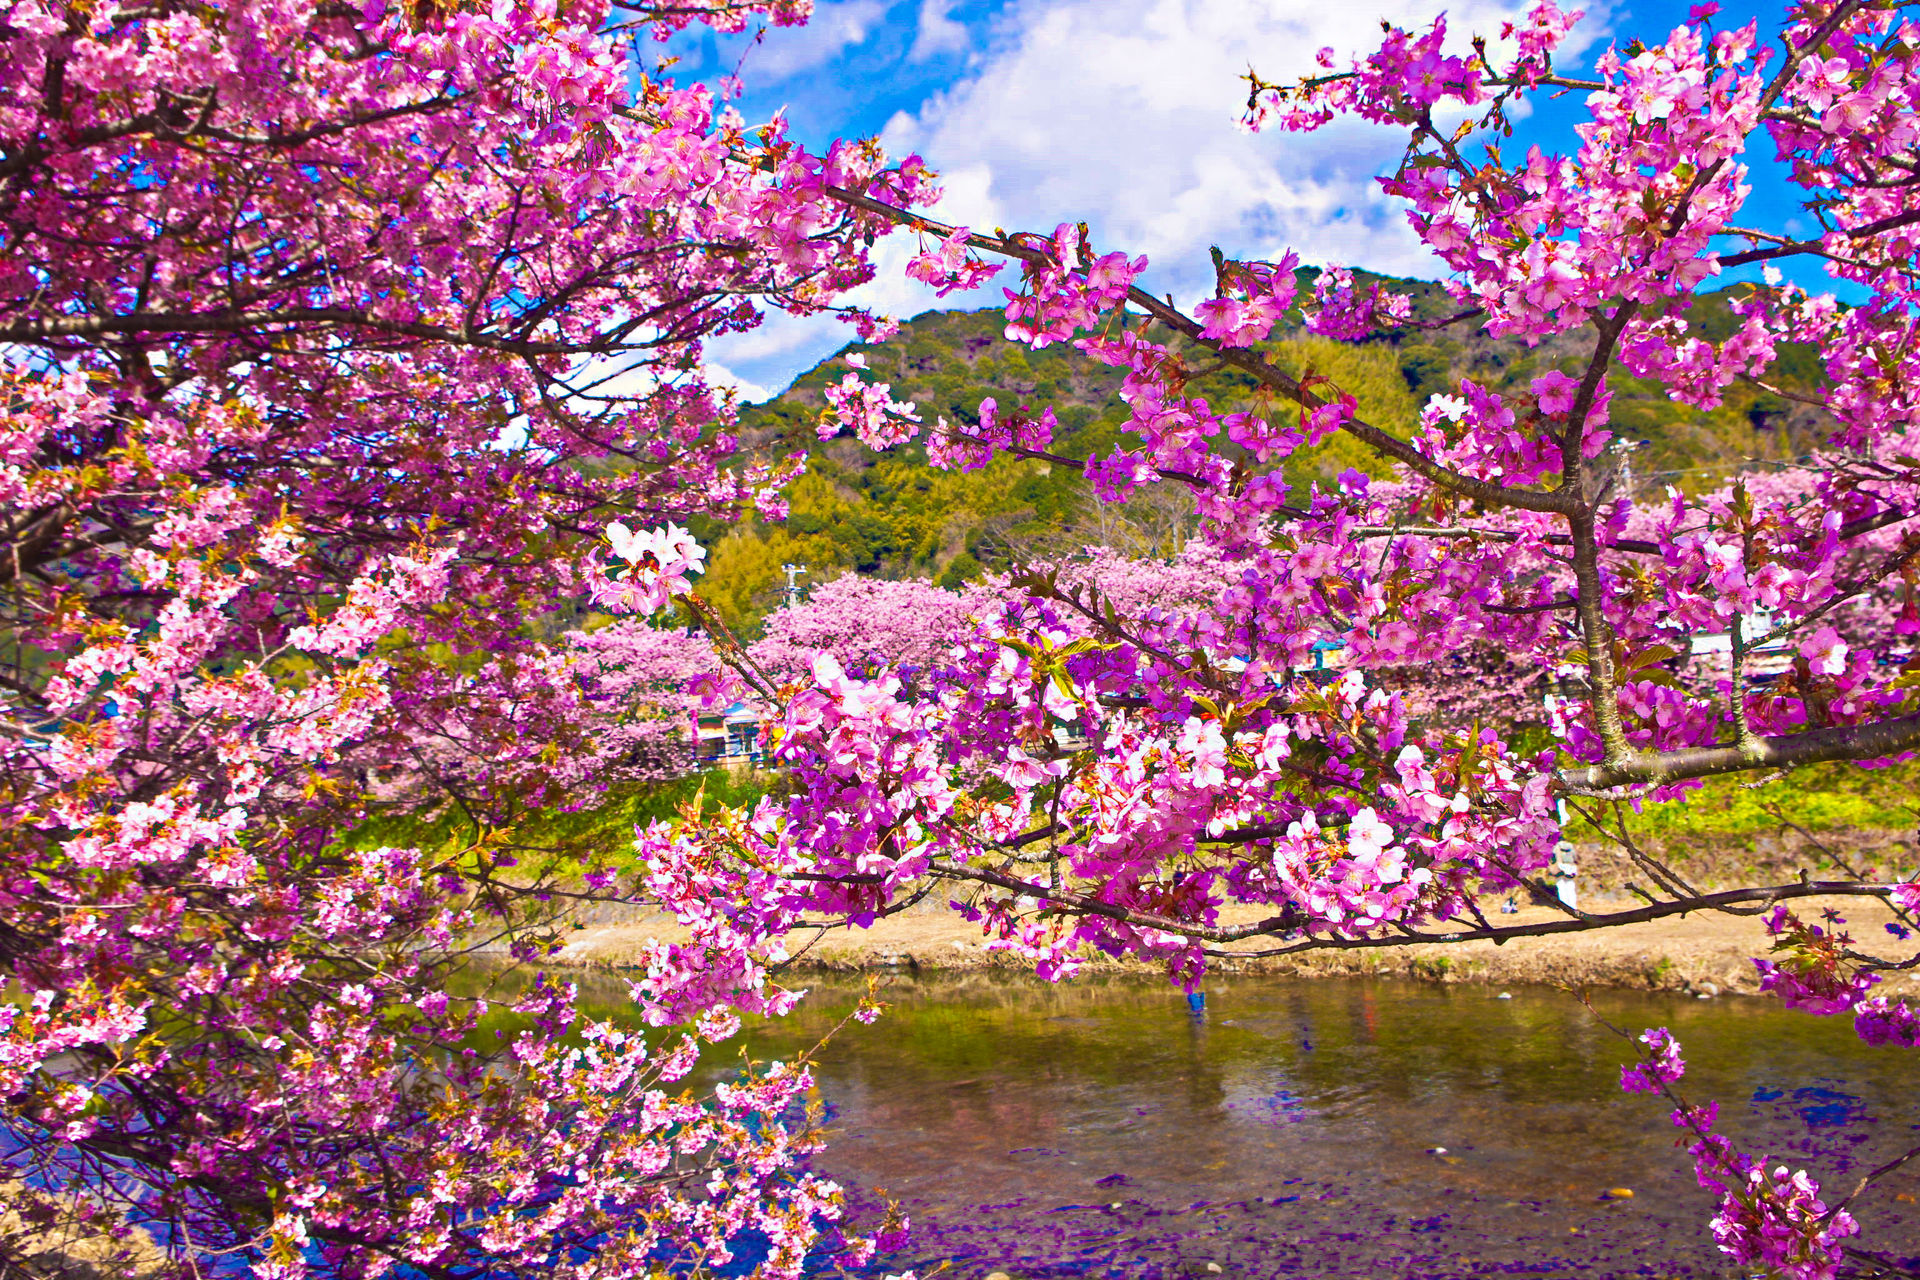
(874, 417)
(656, 565)
(1066, 288)
(871, 624)
(950, 266)
(1340, 310)
(1252, 300)
(333, 337)
(1660, 1065)
(889, 786)
(1769, 1218)
(971, 447)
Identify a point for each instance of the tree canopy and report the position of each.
(354, 375)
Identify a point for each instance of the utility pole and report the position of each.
(1621, 450)
(793, 571)
(1565, 867)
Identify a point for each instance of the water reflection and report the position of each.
(1322, 1128)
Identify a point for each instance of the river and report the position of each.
(1324, 1128)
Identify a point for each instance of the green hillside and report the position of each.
(891, 515)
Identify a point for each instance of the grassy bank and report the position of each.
(1820, 798)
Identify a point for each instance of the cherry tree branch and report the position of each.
(1815, 746)
(1658, 910)
(1244, 359)
(1890, 1167)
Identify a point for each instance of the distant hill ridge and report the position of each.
(890, 515)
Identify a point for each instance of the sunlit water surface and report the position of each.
(1322, 1128)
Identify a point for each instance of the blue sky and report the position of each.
(1118, 112)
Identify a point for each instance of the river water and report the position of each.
(1325, 1128)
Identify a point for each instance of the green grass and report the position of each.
(604, 828)
(1827, 797)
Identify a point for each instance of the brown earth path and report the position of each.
(1705, 952)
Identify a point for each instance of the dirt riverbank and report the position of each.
(1707, 953)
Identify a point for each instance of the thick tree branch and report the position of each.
(1583, 924)
(1788, 248)
(1815, 746)
(253, 322)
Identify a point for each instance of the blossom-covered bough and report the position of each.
(335, 336)
(1175, 779)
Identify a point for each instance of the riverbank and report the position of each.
(1706, 953)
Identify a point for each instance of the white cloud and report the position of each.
(938, 32)
(835, 25)
(783, 346)
(749, 392)
(1120, 112)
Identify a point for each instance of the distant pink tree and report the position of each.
(869, 623)
(559, 723)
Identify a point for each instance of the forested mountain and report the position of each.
(890, 515)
